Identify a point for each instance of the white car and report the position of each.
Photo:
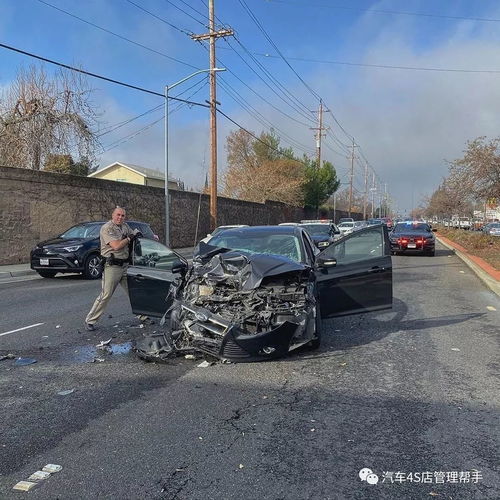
(219, 229)
(346, 228)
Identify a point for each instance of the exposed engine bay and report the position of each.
(233, 305)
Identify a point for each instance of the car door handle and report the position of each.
(139, 277)
(376, 269)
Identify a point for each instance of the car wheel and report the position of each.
(92, 269)
(316, 342)
(47, 274)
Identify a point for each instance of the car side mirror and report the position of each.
(179, 267)
(326, 263)
(434, 230)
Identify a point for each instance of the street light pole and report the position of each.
(167, 89)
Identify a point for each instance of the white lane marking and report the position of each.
(490, 308)
(19, 329)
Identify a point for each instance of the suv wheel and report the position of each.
(47, 274)
(93, 267)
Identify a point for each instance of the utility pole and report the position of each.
(352, 177)
(319, 131)
(385, 199)
(319, 134)
(212, 36)
(365, 198)
(373, 189)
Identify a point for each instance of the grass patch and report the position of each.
(476, 243)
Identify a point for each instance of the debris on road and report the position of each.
(104, 343)
(190, 356)
(241, 466)
(97, 360)
(66, 392)
(455, 349)
(24, 361)
(490, 308)
(58, 326)
(204, 364)
(39, 475)
(24, 486)
(7, 356)
(52, 468)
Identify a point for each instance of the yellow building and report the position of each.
(135, 174)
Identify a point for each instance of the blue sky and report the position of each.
(406, 122)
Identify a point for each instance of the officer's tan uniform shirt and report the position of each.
(112, 232)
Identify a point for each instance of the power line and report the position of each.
(289, 97)
(160, 18)
(261, 118)
(100, 77)
(392, 12)
(382, 66)
(121, 124)
(117, 35)
(147, 127)
(268, 38)
(186, 13)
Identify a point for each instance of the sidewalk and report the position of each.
(489, 275)
(16, 270)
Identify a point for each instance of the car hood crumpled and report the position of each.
(250, 269)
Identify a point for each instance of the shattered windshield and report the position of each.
(317, 229)
(286, 245)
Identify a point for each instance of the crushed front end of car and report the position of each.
(238, 307)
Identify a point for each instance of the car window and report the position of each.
(359, 246)
(150, 253)
(405, 227)
(144, 228)
(82, 231)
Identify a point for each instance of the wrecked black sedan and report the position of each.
(257, 292)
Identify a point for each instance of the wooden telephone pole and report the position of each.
(212, 36)
(352, 177)
(319, 132)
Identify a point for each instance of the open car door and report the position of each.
(154, 268)
(354, 274)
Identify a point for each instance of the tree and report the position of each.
(40, 116)
(320, 183)
(477, 174)
(64, 164)
(260, 170)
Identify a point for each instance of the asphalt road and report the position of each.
(415, 390)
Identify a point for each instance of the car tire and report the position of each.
(316, 342)
(92, 269)
(47, 274)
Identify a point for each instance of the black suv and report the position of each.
(76, 250)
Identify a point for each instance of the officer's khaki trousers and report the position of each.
(111, 276)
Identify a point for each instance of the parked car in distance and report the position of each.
(76, 250)
(218, 229)
(322, 232)
(493, 229)
(345, 219)
(374, 222)
(256, 292)
(412, 237)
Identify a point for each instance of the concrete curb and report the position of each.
(492, 283)
(16, 274)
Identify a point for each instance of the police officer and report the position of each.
(115, 238)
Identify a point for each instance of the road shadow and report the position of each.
(340, 334)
